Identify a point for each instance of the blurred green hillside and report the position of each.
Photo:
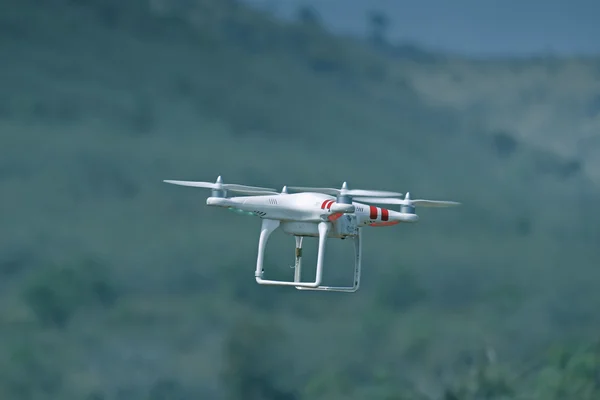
(553, 104)
(118, 286)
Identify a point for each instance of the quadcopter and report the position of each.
(314, 212)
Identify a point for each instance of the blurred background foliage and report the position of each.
(117, 286)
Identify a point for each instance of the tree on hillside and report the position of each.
(307, 15)
(379, 24)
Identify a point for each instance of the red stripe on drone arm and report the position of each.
(329, 204)
(372, 212)
(324, 204)
(385, 215)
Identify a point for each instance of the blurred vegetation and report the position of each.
(117, 286)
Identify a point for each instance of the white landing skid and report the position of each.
(269, 225)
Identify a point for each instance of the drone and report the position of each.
(314, 212)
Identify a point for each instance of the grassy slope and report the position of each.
(551, 103)
(94, 117)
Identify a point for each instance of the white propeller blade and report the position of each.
(330, 191)
(418, 202)
(219, 185)
(233, 186)
(344, 191)
(434, 203)
(208, 185)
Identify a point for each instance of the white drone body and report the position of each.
(314, 212)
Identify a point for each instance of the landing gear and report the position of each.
(268, 226)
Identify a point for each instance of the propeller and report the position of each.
(407, 201)
(220, 187)
(345, 192)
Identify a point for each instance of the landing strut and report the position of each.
(269, 226)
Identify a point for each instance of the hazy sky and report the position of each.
(475, 27)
